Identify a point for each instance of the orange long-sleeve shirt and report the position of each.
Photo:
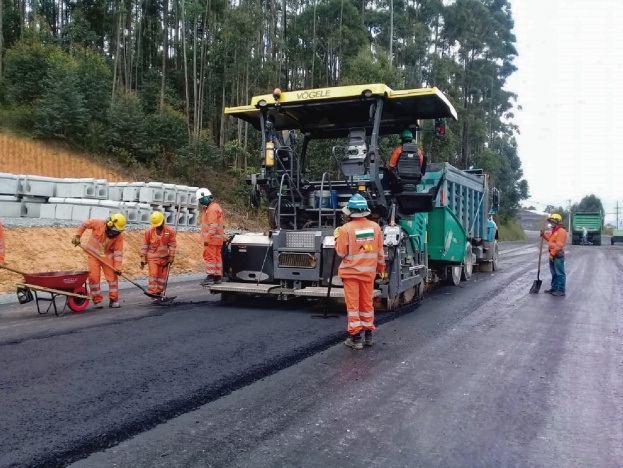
(360, 244)
(212, 228)
(393, 160)
(556, 240)
(100, 244)
(159, 247)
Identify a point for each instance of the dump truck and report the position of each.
(617, 236)
(437, 220)
(592, 221)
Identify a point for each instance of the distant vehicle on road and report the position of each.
(591, 221)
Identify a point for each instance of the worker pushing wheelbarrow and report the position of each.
(71, 284)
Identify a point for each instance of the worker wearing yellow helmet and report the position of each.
(158, 252)
(556, 246)
(106, 242)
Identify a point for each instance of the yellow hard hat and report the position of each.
(117, 222)
(555, 217)
(157, 219)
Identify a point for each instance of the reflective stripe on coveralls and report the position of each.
(109, 250)
(157, 248)
(2, 244)
(212, 232)
(360, 244)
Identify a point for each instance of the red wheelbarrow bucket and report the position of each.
(57, 282)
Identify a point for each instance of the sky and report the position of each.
(569, 84)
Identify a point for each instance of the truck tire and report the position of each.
(468, 264)
(453, 274)
(597, 240)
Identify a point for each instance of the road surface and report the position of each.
(483, 374)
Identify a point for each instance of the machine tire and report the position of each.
(611, 241)
(468, 264)
(75, 303)
(496, 255)
(597, 240)
(453, 274)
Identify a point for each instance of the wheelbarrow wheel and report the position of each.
(78, 304)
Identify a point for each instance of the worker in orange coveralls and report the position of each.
(158, 251)
(360, 244)
(106, 241)
(405, 137)
(212, 233)
(2, 245)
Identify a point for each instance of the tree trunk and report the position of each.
(116, 65)
(313, 45)
(391, 31)
(165, 50)
(185, 67)
(1, 36)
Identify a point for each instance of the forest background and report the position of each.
(143, 83)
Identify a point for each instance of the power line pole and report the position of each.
(569, 210)
(617, 212)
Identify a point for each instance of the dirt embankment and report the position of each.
(34, 250)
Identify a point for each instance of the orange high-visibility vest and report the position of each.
(556, 240)
(212, 229)
(158, 248)
(102, 246)
(2, 245)
(360, 244)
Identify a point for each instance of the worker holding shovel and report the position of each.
(105, 247)
(556, 246)
(158, 252)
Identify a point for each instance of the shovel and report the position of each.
(537, 282)
(103, 262)
(165, 299)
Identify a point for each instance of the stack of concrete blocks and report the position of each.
(10, 204)
(74, 199)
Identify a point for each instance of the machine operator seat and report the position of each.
(409, 172)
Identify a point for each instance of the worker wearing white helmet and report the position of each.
(158, 252)
(212, 233)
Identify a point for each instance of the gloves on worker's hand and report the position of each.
(76, 241)
(171, 260)
(336, 233)
(143, 262)
(117, 272)
(205, 244)
(551, 258)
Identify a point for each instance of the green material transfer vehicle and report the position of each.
(437, 220)
(592, 222)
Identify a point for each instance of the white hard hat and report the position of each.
(203, 192)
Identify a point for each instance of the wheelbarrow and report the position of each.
(70, 284)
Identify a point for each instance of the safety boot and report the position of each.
(218, 279)
(114, 304)
(367, 338)
(549, 291)
(208, 280)
(98, 305)
(354, 341)
(558, 293)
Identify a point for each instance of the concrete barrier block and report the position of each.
(193, 214)
(170, 194)
(31, 210)
(115, 190)
(144, 211)
(130, 210)
(11, 209)
(183, 217)
(9, 184)
(64, 211)
(192, 196)
(76, 188)
(37, 186)
(101, 212)
(101, 189)
(48, 211)
(132, 191)
(81, 212)
(153, 192)
(181, 195)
